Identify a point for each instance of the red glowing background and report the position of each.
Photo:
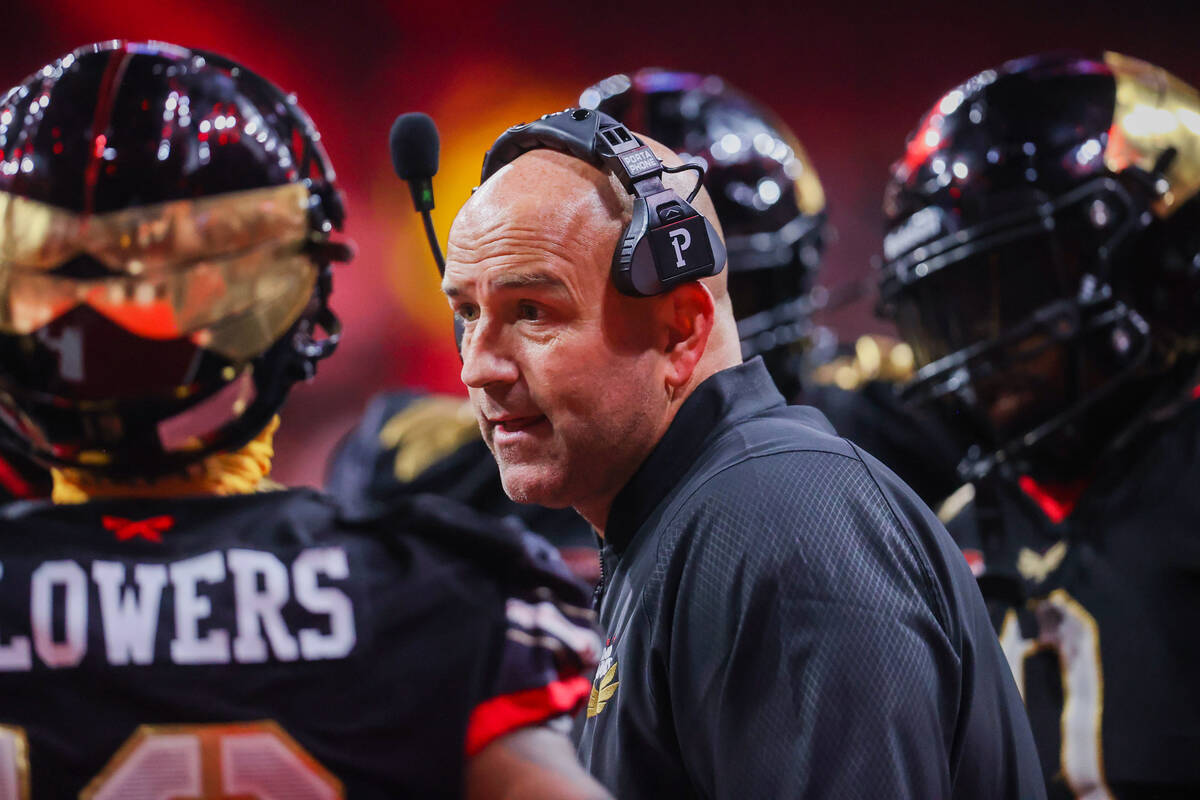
(851, 79)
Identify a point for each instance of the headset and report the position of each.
(667, 242)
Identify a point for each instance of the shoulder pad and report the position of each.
(503, 547)
(425, 431)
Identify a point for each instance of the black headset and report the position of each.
(667, 242)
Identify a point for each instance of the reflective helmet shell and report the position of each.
(1039, 255)
(164, 256)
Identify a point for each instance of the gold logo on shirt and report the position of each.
(1037, 567)
(602, 692)
(606, 683)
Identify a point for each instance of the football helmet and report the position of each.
(765, 190)
(165, 250)
(1042, 258)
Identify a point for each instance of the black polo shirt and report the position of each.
(784, 618)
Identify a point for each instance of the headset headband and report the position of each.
(667, 242)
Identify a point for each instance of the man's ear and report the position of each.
(687, 313)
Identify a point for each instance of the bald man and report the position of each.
(783, 617)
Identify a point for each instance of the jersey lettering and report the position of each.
(130, 618)
(324, 600)
(259, 611)
(189, 647)
(1067, 628)
(129, 598)
(72, 580)
(15, 655)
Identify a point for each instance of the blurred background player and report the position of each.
(410, 443)
(1043, 259)
(772, 208)
(169, 621)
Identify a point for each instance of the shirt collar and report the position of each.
(728, 396)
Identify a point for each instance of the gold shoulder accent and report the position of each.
(875, 358)
(953, 505)
(425, 432)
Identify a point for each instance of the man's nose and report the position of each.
(485, 359)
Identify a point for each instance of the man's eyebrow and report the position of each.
(513, 280)
(525, 280)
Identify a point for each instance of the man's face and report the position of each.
(564, 373)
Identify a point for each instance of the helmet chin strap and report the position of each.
(239, 472)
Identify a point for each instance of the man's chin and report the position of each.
(533, 485)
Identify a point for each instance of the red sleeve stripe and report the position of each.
(494, 718)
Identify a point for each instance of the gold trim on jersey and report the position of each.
(20, 761)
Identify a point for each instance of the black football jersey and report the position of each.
(1098, 616)
(273, 646)
(408, 443)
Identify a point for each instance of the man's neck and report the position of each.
(596, 510)
(595, 515)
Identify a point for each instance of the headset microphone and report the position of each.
(414, 146)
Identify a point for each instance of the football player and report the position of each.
(1043, 259)
(169, 625)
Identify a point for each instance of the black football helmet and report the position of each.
(1042, 257)
(165, 251)
(767, 195)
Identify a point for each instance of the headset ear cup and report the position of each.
(633, 273)
(636, 271)
(718, 248)
(643, 270)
